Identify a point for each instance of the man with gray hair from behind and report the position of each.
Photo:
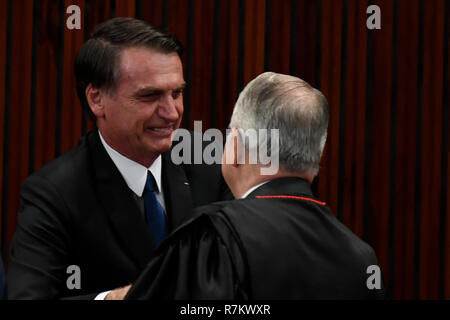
(275, 240)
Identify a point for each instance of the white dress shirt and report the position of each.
(135, 176)
(253, 189)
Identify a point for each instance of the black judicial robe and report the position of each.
(278, 243)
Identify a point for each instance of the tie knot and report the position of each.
(150, 183)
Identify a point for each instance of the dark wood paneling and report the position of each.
(355, 113)
(433, 73)
(201, 63)
(4, 14)
(18, 119)
(71, 108)
(376, 209)
(330, 85)
(408, 43)
(385, 168)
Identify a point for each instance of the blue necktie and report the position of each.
(154, 212)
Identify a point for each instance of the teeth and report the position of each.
(160, 129)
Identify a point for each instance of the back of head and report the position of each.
(297, 110)
(97, 60)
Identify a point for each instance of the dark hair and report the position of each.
(96, 61)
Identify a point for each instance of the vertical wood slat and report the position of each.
(393, 160)
(433, 74)
(377, 209)
(445, 191)
(18, 135)
(254, 39)
(406, 150)
(385, 170)
(4, 88)
(177, 25)
(202, 77)
(279, 48)
(228, 61)
(46, 81)
(71, 108)
(330, 86)
(355, 114)
(125, 8)
(60, 76)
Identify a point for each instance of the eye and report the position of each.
(150, 96)
(177, 93)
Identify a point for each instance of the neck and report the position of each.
(250, 177)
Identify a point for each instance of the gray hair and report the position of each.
(295, 108)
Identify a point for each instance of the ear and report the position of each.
(236, 140)
(95, 99)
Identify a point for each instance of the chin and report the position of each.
(163, 147)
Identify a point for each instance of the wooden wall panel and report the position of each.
(4, 14)
(278, 41)
(352, 182)
(200, 103)
(255, 13)
(330, 85)
(378, 128)
(18, 136)
(406, 160)
(432, 87)
(385, 168)
(46, 52)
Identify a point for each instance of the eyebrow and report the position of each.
(153, 90)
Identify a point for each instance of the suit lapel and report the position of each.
(120, 206)
(177, 192)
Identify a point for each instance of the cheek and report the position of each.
(180, 109)
(225, 171)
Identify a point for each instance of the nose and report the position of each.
(169, 108)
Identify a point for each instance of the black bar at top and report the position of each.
(9, 33)
(60, 64)
(418, 174)
(392, 151)
(342, 113)
(215, 53)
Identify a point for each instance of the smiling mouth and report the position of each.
(161, 131)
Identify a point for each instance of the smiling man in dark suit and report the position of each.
(106, 205)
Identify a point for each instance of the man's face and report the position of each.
(141, 114)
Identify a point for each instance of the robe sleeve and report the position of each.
(201, 260)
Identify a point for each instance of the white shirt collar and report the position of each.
(253, 189)
(134, 173)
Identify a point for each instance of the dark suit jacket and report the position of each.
(278, 243)
(78, 210)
